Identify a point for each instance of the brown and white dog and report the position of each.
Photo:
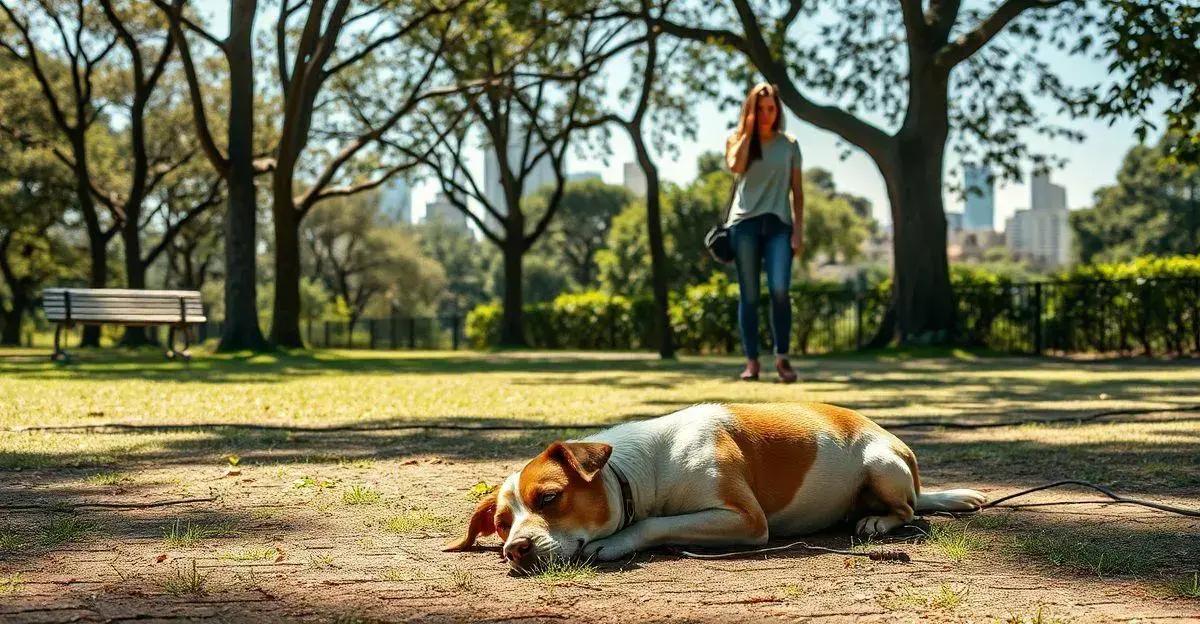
(708, 475)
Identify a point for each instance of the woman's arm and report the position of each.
(737, 152)
(797, 212)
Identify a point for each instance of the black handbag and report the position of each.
(718, 240)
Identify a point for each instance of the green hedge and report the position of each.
(1147, 305)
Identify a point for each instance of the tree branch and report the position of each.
(970, 43)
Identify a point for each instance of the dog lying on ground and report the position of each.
(708, 475)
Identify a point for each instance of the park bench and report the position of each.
(177, 309)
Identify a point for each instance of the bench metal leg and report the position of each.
(185, 353)
(59, 354)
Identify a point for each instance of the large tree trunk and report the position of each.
(658, 254)
(11, 336)
(241, 330)
(98, 272)
(512, 324)
(285, 313)
(135, 272)
(922, 296)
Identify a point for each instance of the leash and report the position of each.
(896, 555)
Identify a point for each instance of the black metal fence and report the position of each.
(1150, 316)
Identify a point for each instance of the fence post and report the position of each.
(858, 320)
(326, 335)
(1037, 319)
(454, 332)
(412, 332)
(371, 329)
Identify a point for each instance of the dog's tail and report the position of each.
(951, 500)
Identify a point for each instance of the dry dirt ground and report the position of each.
(297, 525)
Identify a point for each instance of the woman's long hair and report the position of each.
(760, 90)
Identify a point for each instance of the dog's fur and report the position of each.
(709, 475)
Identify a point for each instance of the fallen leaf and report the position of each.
(161, 558)
(231, 473)
(411, 462)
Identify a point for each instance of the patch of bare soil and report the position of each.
(296, 535)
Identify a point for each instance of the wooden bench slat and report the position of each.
(118, 291)
(144, 318)
(123, 301)
(89, 306)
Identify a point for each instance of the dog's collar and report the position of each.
(626, 497)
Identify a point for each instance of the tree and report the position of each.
(362, 260)
(158, 145)
(1153, 209)
(35, 193)
(938, 75)
(62, 45)
(535, 68)
(332, 71)
(466, 263)
(587, 211)
(235, 164)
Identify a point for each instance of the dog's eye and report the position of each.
(546, 498)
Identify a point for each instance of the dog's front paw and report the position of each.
(608, 549)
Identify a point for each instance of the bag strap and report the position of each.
(729, 202)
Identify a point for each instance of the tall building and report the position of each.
(541, 175)
(442, 210)
(954, 221)
(395, 201)
(980, 209)
(635, 179)
(1042, 233)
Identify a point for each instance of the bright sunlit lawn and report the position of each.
(289, 522)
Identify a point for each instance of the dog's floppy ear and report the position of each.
(586, 458)
(483, 522)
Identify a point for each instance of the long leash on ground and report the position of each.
(897, 555)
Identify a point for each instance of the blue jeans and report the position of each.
(764, 239)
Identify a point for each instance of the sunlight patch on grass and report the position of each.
(361, 495)
(956, 540)
(11, 583)
(945, 598)
(421, 522)
(563, 572)
(251, 554)
(185, 534)
(185, 581)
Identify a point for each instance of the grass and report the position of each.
(419, 522)
(64, 528)
(10, 584)
(956, 540)
(945, 598)
(108, 478)
(1098, 552)
(1186, 587)
(265, 553)
(186, 534)
(361, 495)
(462, 579)
(1041, 616)
(185, 581)
(564, 572)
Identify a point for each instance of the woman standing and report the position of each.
(766, 225)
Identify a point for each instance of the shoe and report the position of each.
(784, 368)
(750, 373)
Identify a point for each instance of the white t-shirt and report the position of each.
(765, 187)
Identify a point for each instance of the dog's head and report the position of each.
(549, 509)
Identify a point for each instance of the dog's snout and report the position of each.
(518, 549)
